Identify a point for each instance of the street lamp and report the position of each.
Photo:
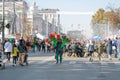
(13, 27)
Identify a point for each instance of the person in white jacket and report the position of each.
(8, 49)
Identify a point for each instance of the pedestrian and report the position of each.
(100, 49)
(109, 48)
(48, 47)
(118, 48)
(90, 50)
(28, 44)
(14, 54)
(8, 49)
(114, 47)
(22, 50)
(39, 45)
(59, 51)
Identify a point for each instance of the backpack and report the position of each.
(22, 48)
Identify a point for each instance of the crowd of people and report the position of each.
(108, 46)
(19, 49)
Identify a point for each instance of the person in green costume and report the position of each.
(59, 51)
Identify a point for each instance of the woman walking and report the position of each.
(90, 50)
(8, 49)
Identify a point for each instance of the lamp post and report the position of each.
(3, 18)
(13, 27)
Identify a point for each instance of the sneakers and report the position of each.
(21, 64)
(14, 65)
(90, 59)
(56, 62)
(60, 62)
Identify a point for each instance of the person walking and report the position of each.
(118, 48)
(22, 50)
(39, 45)
(43, 46)
(59, 51)
(8, 49)
(109, 48)
(90, 50)
(100, 49)
(14, 54)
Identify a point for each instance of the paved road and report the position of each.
(44, 68)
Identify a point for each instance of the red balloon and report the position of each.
(51, 36)
(58, 36)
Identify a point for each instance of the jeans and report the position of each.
(14, 59)
(8, 55)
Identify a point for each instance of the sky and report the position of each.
(73, 21)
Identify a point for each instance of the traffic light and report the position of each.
(8, 25)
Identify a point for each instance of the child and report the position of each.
(14, 54)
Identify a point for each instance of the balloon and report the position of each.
(51, 36)
(58, 36)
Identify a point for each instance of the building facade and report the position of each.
(15, 14)
(29, 21)
(43, 21)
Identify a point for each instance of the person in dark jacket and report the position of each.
(90, 50)
(22, 50)
(43, 46)
(109, 48)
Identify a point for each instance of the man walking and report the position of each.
(59, 51)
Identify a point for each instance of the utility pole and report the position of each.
(3, 27)
(13, 27)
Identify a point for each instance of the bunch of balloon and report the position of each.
(53, 39)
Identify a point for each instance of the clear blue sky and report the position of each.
(78, 6)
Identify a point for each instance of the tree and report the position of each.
(113, 16)
(102, 17)
(99, 16)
